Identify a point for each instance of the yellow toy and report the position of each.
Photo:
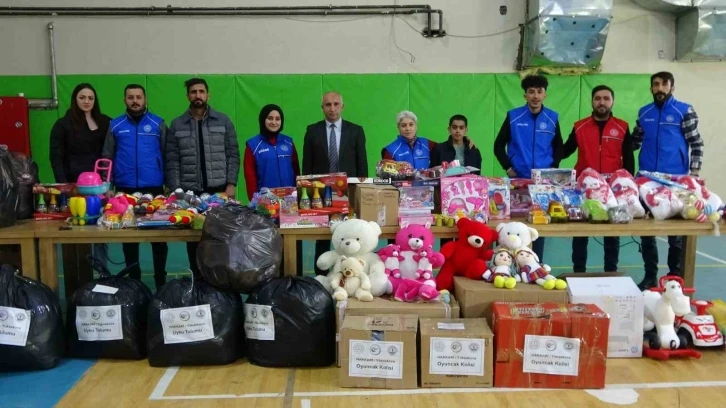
(718, 311)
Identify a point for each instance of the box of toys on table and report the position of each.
(456, 353)
(519, 199)
(555, 177)
(318, 200)
(476, 297)
(385, 305)
(466, 195)
(550, 345)
(379, 352)
(51, 201)
(415, 205)
(499, 198)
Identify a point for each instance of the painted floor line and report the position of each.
(163, 383)
(305, 403)
(703, 254)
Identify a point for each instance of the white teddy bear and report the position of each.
(514, 235)
(358, 239)
(351, 281)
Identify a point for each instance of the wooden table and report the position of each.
(49, 234)
(689, 229)
(23, 234)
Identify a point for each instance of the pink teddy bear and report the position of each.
(418, 259)
(391, 257)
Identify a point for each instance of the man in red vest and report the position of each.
(603, 143)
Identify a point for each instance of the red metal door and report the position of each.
(14, 130)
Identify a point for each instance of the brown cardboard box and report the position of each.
(378, 203)
(384, 305)
(456, 353)
(379, 352)
(476, 297)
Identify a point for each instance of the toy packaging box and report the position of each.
(416, 199)
(379, 352)
(555, 177)
(543, 194)
(51, 201)
(550, 345)
(623, 301)
(499, 198)
(467, 194)
(326, 193)
(456, 353)
(520, 201)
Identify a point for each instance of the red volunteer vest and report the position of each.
(604, 154)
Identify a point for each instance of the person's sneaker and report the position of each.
(647, 283)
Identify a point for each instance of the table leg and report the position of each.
(76, 270)
(28, 256)
(688, 260)
(289, 248)
(48, 263)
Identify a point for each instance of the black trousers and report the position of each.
(538, 248)
(321, 247)
(579, 253)
(650, 256)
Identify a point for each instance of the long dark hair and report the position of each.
(77, 115)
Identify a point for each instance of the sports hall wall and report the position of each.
(381, 65)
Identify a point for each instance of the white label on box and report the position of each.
(104, 289)
(14, 326)
(187, 324)
(259, 322)
(99, 323)
(551, 355)
(382, 216)
(376, 359)
(449, 356)
(450, 326)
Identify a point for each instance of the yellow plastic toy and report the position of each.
(718, 311)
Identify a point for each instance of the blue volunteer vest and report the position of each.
(664, 147)
(418, 156)
(531, 144)
(274, 162)
(138, 162)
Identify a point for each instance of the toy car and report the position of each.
(575, 214)
(595, 211)
(537, 216)
(699, 328)
(557, 212)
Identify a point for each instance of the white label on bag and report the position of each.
(14, 326)
(551, 355)
(187, 324)
(376, 359)
(104, 289)
(460, 356)
(99, 323)
(259, 322)
(450, 326)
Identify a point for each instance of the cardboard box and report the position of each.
(378, 203)
(476, 297)
(456, 353)
(338, 183)
(379, 352)
(385, 305)
(623, 301)
(569, 275)
(304, 221)
(550, 345)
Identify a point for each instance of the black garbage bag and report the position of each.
(9, 190)
(106, 317)
(239, 249)
(290, 322)
(31, 324)
(27, 172)
(193, 323)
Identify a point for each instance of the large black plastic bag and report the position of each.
(26, 171)
(290, 322)
(177, 346)
(106, 317)
(239, 249)
(9, 190)
(25, 303)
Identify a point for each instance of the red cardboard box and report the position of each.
(550, 345)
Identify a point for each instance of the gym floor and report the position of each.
(642, 382)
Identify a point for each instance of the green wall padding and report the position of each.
(371, 100)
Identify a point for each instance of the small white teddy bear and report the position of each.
(351, 281)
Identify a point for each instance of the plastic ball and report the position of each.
(708, 210)
(701, 218)
(691, 213)
(699, 204)
(713, 217)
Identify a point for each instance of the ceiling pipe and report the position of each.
(169, 11)
(53, 102)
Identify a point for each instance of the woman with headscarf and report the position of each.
(270, 157)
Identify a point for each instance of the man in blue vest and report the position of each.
(530, 138)
(135, 142)
(665, 132)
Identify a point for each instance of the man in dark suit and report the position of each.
(334, 145)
